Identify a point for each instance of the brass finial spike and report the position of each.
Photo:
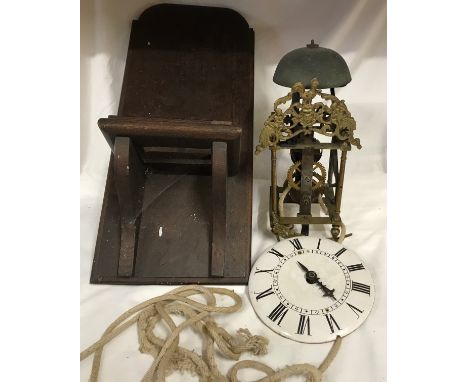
(312, 44)
(314, 84)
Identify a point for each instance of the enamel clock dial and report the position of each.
(311, 289)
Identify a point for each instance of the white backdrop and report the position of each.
(355, 29)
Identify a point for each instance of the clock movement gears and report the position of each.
(319, 176)
(296, 154)
(306, 113)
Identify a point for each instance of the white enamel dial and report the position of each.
(311, 289)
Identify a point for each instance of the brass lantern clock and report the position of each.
(309, 121)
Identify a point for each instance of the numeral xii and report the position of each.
(296, 244)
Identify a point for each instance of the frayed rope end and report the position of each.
(244, 341)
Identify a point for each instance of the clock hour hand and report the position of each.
(312, 278)
(326, 292)
(303, 267)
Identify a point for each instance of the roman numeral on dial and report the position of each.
(296, 244)
(278, 254)
(332, 323)
(354, 309)
(318, 244)
(355, 267)
(304, 322)
(278, 313)
(265, 293)
(359, 287)
(263, 270)
(340, 252)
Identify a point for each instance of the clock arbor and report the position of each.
(308, 112)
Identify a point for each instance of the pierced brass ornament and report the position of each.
(282, 230)
(305, 118)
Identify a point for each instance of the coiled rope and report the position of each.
(169, 356)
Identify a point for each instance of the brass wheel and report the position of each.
(318, 176)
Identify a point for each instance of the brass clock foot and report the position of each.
(335, 232)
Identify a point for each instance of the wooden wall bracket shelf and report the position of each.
(178, 198)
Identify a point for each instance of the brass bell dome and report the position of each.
(305, 64)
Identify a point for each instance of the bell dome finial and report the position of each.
(305, 64)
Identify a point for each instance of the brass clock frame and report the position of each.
(294, 129)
